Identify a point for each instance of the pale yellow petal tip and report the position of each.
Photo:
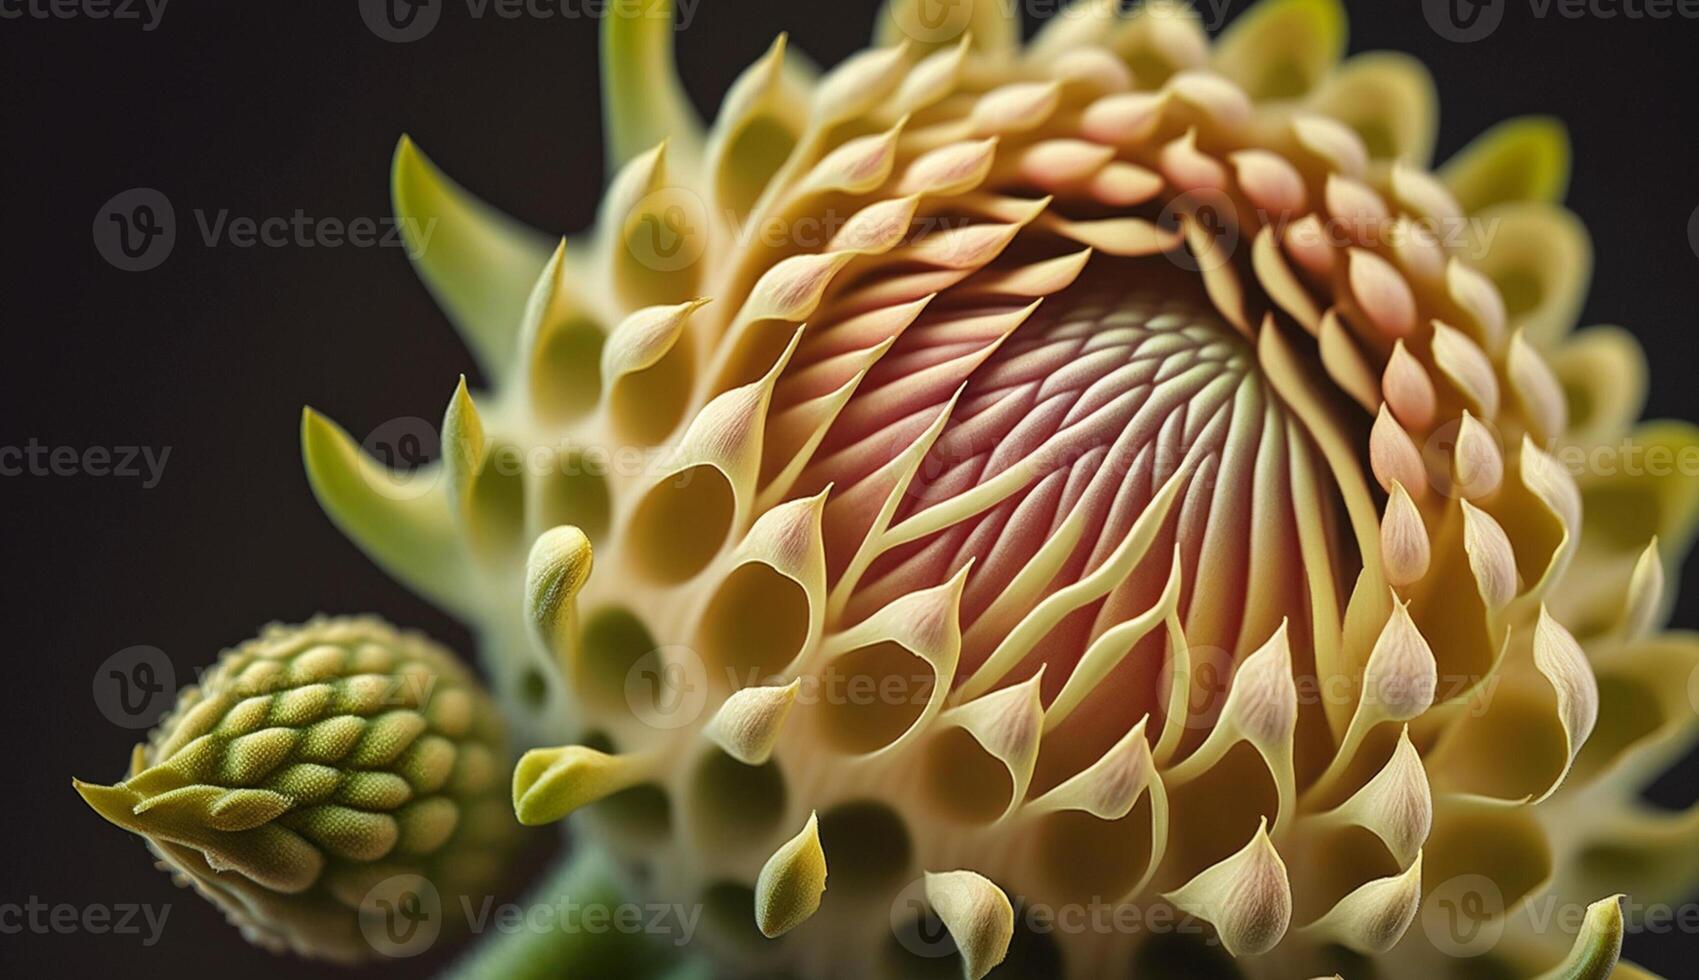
(1396, 805)
(1247, 897)
(788, 890)
(748, 724)
(1402, 676)
(1491, 557)
(1565, 666)
(978, 915)
(1406, 550)
(1478, 463)
(1643, 605)
(1373, 917)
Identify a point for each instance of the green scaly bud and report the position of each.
(318, 766)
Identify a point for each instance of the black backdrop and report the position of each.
(264, 109)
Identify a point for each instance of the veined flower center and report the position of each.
(1064, 424)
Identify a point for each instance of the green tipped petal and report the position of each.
(1525, 159)
(548, 784)
(788, 890)
(401, 521)
(463, 445)
(1603, 374)
(478, 263)
(1594, 955)
(1282, 49)
(1390, 99)
(642, 100)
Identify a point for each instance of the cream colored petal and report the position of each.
(1491, 557)
(1477, 463)
(978, 915)
(1261, 708)
(1246, 897)
(1395, 805)
(858, 84)
(1560, 659)
(1468, 368)
(1408, 389)
(1404, 546)
(1644, 605)
(1536, 388)
(1373, 917)
(1008, 724)
(747, 725)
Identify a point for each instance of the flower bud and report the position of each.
(312, 765)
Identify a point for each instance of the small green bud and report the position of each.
(314, 767)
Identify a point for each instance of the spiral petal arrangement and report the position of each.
(1110, 470)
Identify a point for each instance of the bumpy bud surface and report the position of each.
(311, 766)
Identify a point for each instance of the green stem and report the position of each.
(588, 880)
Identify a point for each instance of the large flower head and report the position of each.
(1107, 471)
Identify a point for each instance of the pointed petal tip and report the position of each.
(791, 883)
(978, 915)
(115, 804)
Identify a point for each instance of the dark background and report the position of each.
(264, 109)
